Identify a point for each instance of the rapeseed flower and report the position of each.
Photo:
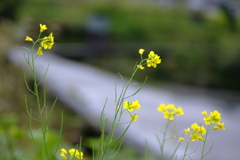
(140, 67)
(162, 108)
(28, 39)
(141, 51)
(196, 133)
(216, 128)
(169, 111)
(181, 139)
(42, 27)
(72, 153)
(221, 125)
(39, 52)
(48, 42)
(213, 119)
(169, 115)
(153, 59)
(131, 106)
(187, 130)
(134, 117)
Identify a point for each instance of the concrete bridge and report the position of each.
(85, 88)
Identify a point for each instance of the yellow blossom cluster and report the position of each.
(214, 119)
(169, 111)
(197, 132)
(73, 153)
(46, 42)
(152, 60)
(130, 106)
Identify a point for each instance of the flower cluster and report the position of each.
(130, 106)
(46, 42)
(152, 60)
(197, 132)
(169, 111)
(214, 118)
(72, 153)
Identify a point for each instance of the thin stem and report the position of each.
(204, 143)
(185, 152)
(164, 138)
(179, 143)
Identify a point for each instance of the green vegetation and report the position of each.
(206, 48)
(202, 53)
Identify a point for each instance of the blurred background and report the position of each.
(198, 41)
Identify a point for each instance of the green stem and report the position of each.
(117, 118)
(185, 152)
(164, 137)
(36, 93)
(204, 143)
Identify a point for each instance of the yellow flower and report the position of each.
(140, 67)
(171, 107)
(153, 59)
(169, 111)
(200, 138)
(207, 120)
(203, 130)
(179, 111)
(221, 125)
(42, 27)
(127, 106)
(181, 139)
(187, 130)
(130, 106)
(47, 42)
(134, 117)
(141, 51)
(40, 51)
(135, 105)
(205, 113)
(196, 136)
(216, 128)
(63, 155)
(195, 127)
(73, 153)
(63, 151)
(162, 108)
(197, 132)
(169, 115)
(215, 117)
(28, 39)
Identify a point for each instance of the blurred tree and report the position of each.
(9, 8)
(229, 14)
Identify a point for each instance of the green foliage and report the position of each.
(186, 43)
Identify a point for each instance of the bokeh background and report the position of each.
(198, 42)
